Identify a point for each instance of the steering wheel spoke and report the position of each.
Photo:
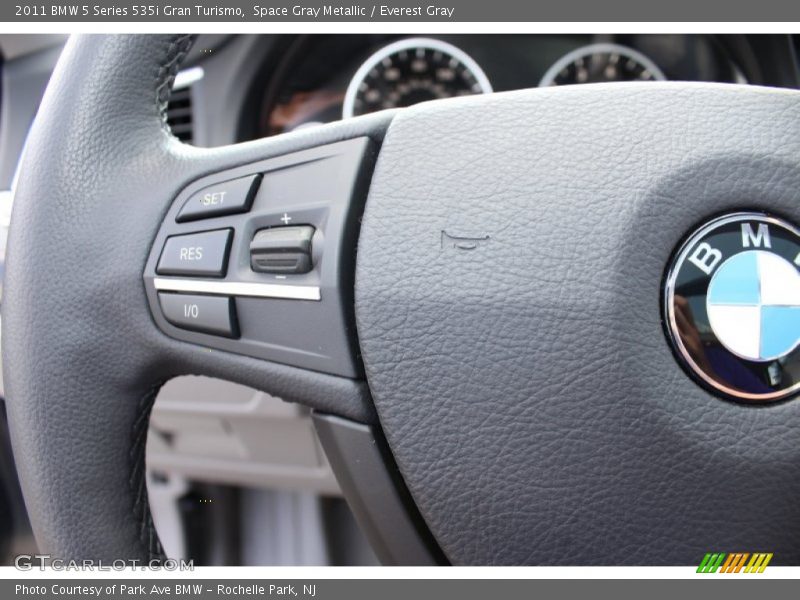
(259, 259)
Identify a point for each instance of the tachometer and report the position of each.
(411, 71)
(601, 63)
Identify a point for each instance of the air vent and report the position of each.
(179, 114)
(179, 108)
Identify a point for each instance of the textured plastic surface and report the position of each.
(378, 500)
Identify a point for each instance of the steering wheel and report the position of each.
(481, 279)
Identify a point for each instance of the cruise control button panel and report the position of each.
(282, 249)
(203, 254)
(209, 314)
(258, 259)
(226, 198)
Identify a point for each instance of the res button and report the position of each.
(225, 198)
(204, 254)
(207, 314)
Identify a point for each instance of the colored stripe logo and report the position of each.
(735, 562)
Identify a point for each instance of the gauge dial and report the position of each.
(602, 63)
(411, 71)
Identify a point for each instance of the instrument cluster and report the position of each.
(326, 78)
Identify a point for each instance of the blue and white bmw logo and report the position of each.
(732, 305)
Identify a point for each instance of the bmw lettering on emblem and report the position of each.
(733, 306)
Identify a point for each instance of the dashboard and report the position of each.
(322, 78)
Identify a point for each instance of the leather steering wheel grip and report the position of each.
(82, 357)
(81, 372)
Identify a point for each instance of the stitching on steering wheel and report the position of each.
(176, 52)
(141, 506)
(178, 47)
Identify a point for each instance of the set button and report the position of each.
(225, 198)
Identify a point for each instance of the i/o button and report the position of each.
(206, 314)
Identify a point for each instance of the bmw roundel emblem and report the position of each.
(732, 306)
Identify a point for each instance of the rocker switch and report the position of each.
(282, 250)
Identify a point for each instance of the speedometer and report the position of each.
(411, 71)
(602, 63)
